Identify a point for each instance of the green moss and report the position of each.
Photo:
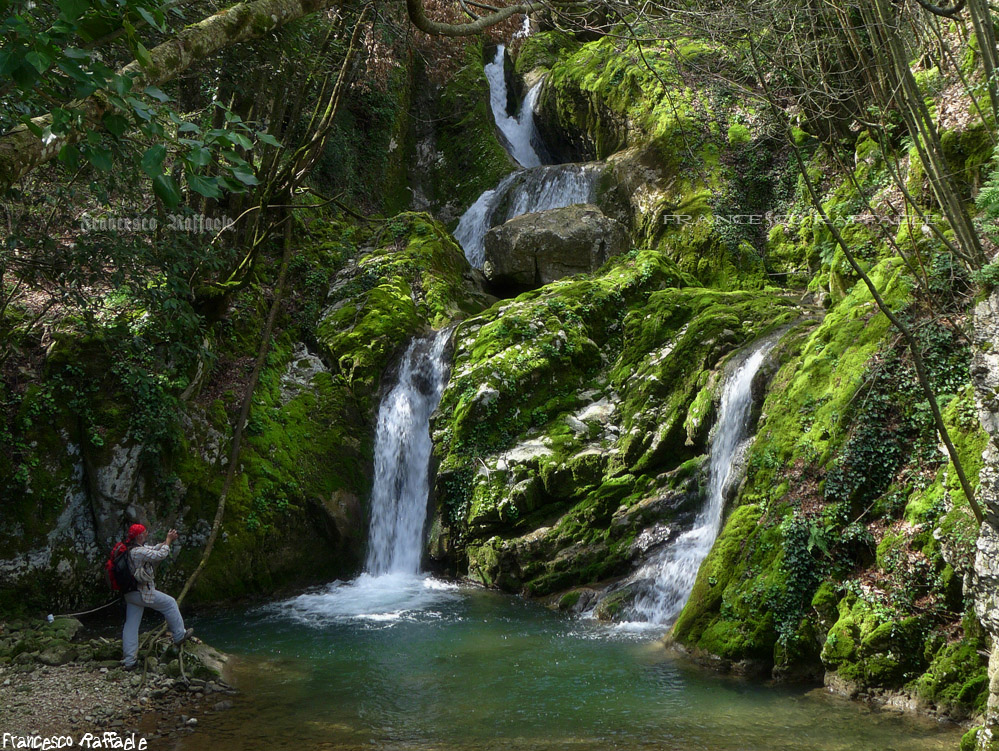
(543, 50)
(632, 338)
(471, 159)
(738, 134)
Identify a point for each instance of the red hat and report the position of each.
(135, 530)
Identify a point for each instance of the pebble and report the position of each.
(192, 721)
(223, 705)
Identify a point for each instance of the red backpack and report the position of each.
(119, 570)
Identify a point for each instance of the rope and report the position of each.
(115, 601)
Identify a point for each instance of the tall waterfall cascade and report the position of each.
(402, 459)
(664, 583)
(536, 187)
(392, 589)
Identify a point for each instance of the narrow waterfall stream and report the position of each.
(402, 459)
(517, 130)
(664, 582)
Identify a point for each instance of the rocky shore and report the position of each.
(53, 683)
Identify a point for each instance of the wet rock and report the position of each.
(534, 249)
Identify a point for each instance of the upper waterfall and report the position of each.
(537, 187)
(517, 130)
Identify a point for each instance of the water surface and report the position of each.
(412, 663)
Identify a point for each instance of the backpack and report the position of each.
(119, 570)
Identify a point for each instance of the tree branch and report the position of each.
(946, 12)
(418, 16)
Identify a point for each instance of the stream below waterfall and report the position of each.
(411, 663)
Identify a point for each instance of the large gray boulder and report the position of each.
(534, 249)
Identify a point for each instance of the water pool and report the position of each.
(409, 662)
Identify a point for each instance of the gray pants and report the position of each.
(134, 606)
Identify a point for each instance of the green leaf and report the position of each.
(152, 160)
(200, 156)
(156, 94)
(72, 9)
(240, 140)
(24, 76)
(207, 187)
(142, 55)
(39, 60)
(116, 124)
(121, 84)
(100, 157)
(154, 19)
(268, 139)
(140, 109)
(76, 54)
(70, 156)
(245, 176)
(233, 186)
(9, 60)
(165, 187)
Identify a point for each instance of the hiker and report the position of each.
(142, 558)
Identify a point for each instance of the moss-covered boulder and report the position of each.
(562, 432)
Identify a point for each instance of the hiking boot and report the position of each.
(187, 635)
(129, 668)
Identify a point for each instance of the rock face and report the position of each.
(535, 249)
(985, 580)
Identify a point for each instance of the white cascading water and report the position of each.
(524, 192)
(392, 587)
(537, 188)
(402, 459)
(666, 580)
(518, 130)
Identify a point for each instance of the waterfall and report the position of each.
(402, 458)
(524, 192)
(536, 188)
(665, 581)
(517, 130)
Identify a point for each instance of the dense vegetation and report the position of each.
(821, 174)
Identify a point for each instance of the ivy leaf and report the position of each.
(152, 160)
(166, 188)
